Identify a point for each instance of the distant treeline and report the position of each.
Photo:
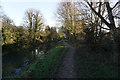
(81, 22)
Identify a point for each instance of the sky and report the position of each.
(15, 10)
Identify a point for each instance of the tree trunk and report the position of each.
(115, 49)
(113, 29)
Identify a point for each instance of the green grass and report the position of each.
(105, 72)
(65, 40)
(102, 70)
(89, 66)
(96, 70)
(46, 65)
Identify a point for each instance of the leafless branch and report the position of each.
(117, 17)
(115, 5)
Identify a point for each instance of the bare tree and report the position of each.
(111, 24)
(67, 14)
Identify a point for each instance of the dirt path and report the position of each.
(67, 68)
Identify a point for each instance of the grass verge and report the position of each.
(46, 65)
(90, 65)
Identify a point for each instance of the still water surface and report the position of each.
(13, 63)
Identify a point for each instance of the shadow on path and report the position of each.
(67, 68)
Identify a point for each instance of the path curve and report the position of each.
(67, 68)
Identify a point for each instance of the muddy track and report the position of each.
(67, 68)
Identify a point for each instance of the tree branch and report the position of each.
(99, 8)
(104, 28)
(99, 15)
(115, 5)
(117, 17)
(98, 5)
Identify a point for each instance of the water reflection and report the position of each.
(14, 62)
(17, 70)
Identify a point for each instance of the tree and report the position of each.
(61, 32)
(67, 15)
(70, 14)
(20, 33)
(110, 25)
(34, 21)
(92, 21)
(47, 34)
(7, 30)
(54, 35)
(38, 22)
(29, 21)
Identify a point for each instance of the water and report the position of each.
(13, 63)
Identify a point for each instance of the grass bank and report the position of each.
(46, 65)
(94, 65)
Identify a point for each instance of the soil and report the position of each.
(67, 67)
